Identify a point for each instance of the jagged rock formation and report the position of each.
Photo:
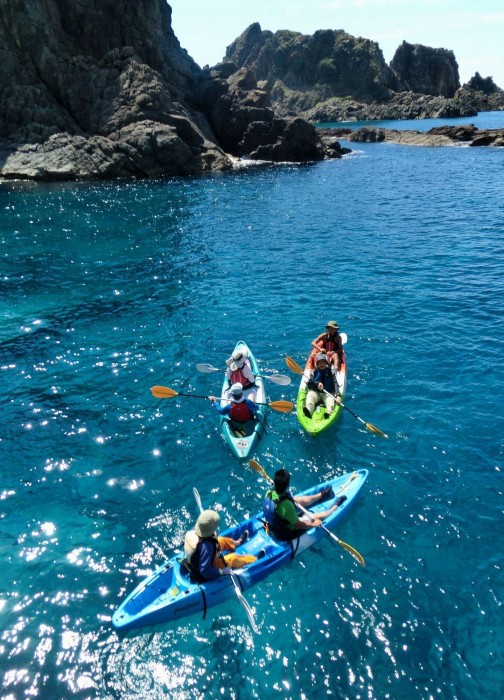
(426, 71)
(333, 76)
(305, 70)
(99, 89)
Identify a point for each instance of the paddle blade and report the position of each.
(197, 498)
(246, 606)
(376, 430)
(293, 365)
(206, 368)
(280, 379)
(344, 338)
(351, 551)
(163, 392)
(257, 468)
(282, 406)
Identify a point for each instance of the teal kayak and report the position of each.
(317, 423)
(243, 438)
(169, 595)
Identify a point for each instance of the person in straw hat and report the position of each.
(330, 343)
(204, 550)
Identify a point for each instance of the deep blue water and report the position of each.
(108, 289)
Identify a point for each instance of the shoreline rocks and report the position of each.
(468, 135)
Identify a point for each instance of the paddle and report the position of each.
(281, 379)
(293, 365)
(164, 392)
(238, 592)
(257, 467)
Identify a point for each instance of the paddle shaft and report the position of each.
(173, 393)
(282, 379)
(351, 550)
(293, 365)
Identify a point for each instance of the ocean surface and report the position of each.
(110, 288)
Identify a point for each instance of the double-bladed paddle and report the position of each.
(293, 365)
(281, 379)
(257, 467)
(238, 592)
(164, 392)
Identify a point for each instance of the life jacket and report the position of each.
(192, 546)
(239, 376)
(333, 345)
(328, 342)
(326, 377)
(277, 524)
(240, 412)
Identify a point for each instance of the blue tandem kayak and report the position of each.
(244, 438)
(168, 594)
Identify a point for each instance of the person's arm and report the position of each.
(317, 343)
(222, 409)
(303, 525)
(249, 375)
(252, 407)
(289, 514)
(206, 561)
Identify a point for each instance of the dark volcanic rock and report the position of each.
(103, 89)
(305, 70)
(333, 76)
(424, 70)
(438, 136)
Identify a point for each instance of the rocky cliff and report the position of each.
(304, 70)
(102, 88)
(333, 76)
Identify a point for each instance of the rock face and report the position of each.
(426, 71)
(304, 70)
(102, 88)
(333, 76)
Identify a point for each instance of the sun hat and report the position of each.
(332, 324)
(207, 523)
(321, 356)
(237, 359)
(236, 389)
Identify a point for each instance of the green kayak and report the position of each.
(317, 423)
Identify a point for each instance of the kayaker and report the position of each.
(331, 344)
(321, 378)
(241, 409)
(239, 370)
(204, 550)
(279, 508)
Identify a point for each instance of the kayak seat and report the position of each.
(242, 429)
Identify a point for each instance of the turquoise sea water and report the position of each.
(108, 289)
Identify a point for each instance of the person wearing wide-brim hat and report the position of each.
(204, 549)
(330, 343)
(239, 371)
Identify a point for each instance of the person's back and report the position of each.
(239, 370)
(241, 409)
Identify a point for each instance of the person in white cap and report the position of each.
(321, 378)
(239, 370)
(204, 550)
(241, 409)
